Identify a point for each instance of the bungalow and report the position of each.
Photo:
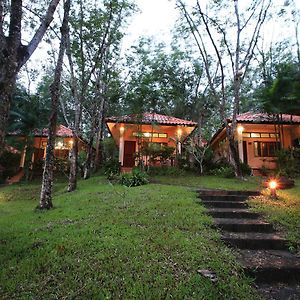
(258, 136)
(132, 132)
(63, 143)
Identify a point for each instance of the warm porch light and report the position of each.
(122, 129)
(147, 134)
(71, 143)
(59, 145)
(240, 129)
(179, 132)
(273, 186)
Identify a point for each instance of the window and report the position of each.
(260, 135)
(150, 134)
(265, 149)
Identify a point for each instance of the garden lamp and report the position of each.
(273, 186)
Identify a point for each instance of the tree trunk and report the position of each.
(47, 182)
(88, 162)
(72, 185)
(13, 55)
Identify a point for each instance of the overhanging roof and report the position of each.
(150, 118)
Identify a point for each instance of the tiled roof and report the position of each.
(249, 117)
(61, 131)
(149, 118)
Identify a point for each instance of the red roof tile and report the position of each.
(62, 131)
(249, 117)
(149, 118)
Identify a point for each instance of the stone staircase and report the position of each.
(262, 251)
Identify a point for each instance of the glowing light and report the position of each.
(59, 145)
(273, 184)
(179, 132)
(147, 134)
(240, 129)
(122, 129)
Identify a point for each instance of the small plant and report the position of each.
(224, 171)
(136, 178)
(111, 169)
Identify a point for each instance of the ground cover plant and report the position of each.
(112, 242)
(284, 212)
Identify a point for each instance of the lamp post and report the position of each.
(273, 187)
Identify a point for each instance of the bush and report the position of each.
(10, 163)
(226, 170)
(111, 168)
(136, 178)
(288, 162)
(165, 171)
(245, 169)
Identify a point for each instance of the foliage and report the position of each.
(165, 171)
(136, 178)
(155, 150)
(245, 169)
(224, 169)
(288, 162)
(10, 163)
(282, 93)
(111, 168)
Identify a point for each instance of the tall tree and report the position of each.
(231, 43)
(14, 54)
(47, 182)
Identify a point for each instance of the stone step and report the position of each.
(223, 192)
(223, 197)
(225, 204)
(254, 240)
(236, 213)
(243, 225)
(268, 266)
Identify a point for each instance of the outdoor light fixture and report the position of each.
(122, 129)
(179, 132)
(273, 186)
(240, 129)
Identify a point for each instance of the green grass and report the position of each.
(283, 212)
(112, 242)
(210, 182)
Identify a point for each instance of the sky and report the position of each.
(157, 18)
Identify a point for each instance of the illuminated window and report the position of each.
(150, 134)
(260, 135)
(266, 149)
(255, 135)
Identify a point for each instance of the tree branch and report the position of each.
(39, 33)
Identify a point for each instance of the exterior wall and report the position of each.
(125, 132)
(290, 133)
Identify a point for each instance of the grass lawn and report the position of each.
(210, 182)
(112, 242)
(283, 212)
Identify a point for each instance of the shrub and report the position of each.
(165, 171)
(136, 178)
(288, 162)
(10, 163)
(224, 171)
(245, 169)
(111, 168)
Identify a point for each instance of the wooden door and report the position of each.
(129, 151)
(245, 152)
